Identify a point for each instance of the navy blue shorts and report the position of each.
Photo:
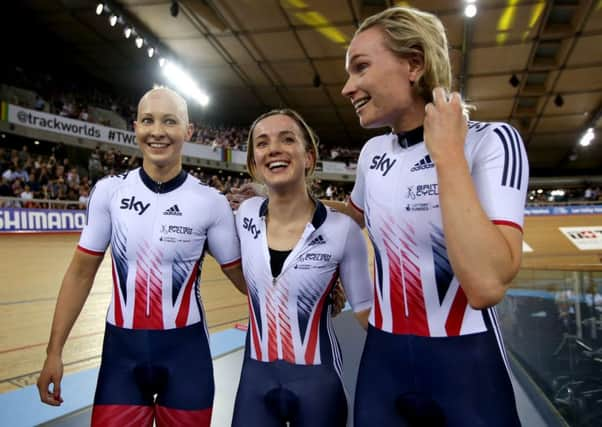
(273, 393)
(168, 368)
(407, 380)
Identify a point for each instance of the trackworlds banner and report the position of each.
(16, 220)
(80, 129)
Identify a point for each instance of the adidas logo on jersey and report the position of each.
(317, 241)
(174, 210)
(425, 163)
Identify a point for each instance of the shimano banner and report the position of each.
(15, 220)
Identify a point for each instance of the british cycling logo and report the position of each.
(421, 190)
(177, 233)
(313, 260)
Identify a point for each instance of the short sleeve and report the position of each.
(96, 234)
(500, 172)
(358, 193)
(222, 239)
(353, 269)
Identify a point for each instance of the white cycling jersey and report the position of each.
(289, 314)
(158, 234)
(416, 291)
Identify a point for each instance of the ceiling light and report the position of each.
(36, 142)
(559, 101)
(184, 83)
(99, 8)
(470, 11)
(113, 20)
(587, 137)
(514, 81)
(151, 52)
(139, 42)
(127, 32)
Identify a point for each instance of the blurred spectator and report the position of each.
(95, 168)
(83, 198)
(40, 104)
(27, 196)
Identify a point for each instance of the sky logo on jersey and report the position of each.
(132, 204)
(424, 163)
(247, 224)
(382, 163)
(174, 210)
(317, 241)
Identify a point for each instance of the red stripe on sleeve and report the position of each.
(89, 252)
(508, 223)
(230, 264)
(356, 206)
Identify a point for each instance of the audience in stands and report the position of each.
(30, 176)
(73, 99)
(33, 176)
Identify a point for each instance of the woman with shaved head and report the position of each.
(158, 220)
(443, 202)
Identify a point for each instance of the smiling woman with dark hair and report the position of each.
(293, 250)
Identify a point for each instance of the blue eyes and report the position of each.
(149, 121)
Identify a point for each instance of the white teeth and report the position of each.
(360, 103)
(157, 145)
(277, 164)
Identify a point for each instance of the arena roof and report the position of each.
(535, 64)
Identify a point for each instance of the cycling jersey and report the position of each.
(289, 316)
(396, 188)
(292, 367)
(158, 235)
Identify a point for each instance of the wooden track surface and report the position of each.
(33, 266)
(552, 249)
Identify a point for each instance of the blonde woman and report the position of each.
(442, 199)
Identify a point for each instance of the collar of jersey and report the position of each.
(316, 221)
(411, 137)
(163, 187)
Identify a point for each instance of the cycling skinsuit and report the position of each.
(156, 359)
(292, 366)
(429, 358)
